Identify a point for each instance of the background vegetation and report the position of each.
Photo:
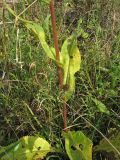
(29, 96)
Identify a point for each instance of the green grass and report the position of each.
(29, 94)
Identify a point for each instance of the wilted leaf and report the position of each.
(26, 148)
(78, 146)
(102, 108)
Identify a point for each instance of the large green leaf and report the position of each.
(26, 148)
(70, 60)
(78, 146)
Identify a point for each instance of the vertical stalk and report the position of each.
(17, 46)
(55, 36)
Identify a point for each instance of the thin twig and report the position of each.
(17, 45)
(1, 23)
(102, 135)
(27, 8)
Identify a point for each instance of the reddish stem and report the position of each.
(55, 36)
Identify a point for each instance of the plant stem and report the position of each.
(55, 36)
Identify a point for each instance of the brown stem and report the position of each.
(55, 36)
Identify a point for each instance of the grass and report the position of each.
(29, 97)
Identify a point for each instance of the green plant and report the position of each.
(27, 148)
(29, 96)
(69, 61)
(78, 146)
(70, 58)
(104, 146)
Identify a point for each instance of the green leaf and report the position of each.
(114, 148)
(64, 60)
(78, 146)
(38, 30)
(13, 13)
(9, 9)
(70, 60)
(85, 35)
(26, 148)
(102, 108)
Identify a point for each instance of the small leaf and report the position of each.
(102, 108)
(85, 35)
(78, 146)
